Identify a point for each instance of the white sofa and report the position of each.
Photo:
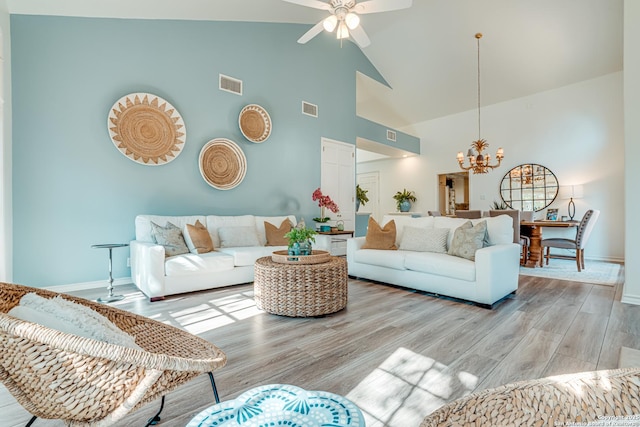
(491, 277)
(157, 276)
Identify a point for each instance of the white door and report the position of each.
(370, 182)
(337, 178)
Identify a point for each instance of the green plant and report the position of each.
(300, 235)
(404, 195)
(499, 206)
(361, 195)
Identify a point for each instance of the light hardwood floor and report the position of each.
(397, 354)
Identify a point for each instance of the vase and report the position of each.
(294, 249)
(405, 205)
(305, 248)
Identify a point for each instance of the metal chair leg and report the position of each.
(31, 421)
(213, 385)
(156, 418)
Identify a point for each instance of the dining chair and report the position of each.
(434, 213)
(518, 238)
(578, 244)
(470, 214)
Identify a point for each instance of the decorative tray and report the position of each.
(316, 257)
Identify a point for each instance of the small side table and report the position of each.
(110, 297)
(282, 405)
(334, 242)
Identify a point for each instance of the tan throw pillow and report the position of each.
(467, 239)
(170, 237)
(275, 235)
(380, 238)
(198, 238)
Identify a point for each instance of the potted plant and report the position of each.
(324, 202)
(300, 240)
(499, 206)
(404, 199)
(361, 197)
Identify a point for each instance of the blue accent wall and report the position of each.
(72, 188)
(378, 133)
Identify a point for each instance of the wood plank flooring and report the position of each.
(397, 354)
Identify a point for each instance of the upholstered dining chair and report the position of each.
(518, 238)
(578, 244)
(86, 382)
(471, 214)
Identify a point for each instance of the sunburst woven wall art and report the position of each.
(147, 129)
(255, 123)
(223, 164)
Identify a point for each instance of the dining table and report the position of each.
(533, 230)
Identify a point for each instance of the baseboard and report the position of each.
(630, 299)
(89, 285)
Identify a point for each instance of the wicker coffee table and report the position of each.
(301, 290)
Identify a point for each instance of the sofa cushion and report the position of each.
(450, 223)
(273, 220)
(424, 239)
(214, 222)
(403, 221)
(441, 265)
(467, 239)
(198, 238)
(231, 237)
(389, 258)
(211, 262)
(275, 234)
(170, 237)
(380, 238)
(243, 256)
(143, 224)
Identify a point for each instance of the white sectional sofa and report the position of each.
(485, 281)
(157, 275)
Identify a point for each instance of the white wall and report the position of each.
(576, 131)
(6, 260)
(631, 291)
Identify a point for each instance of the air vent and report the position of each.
(229, 84)
(391, 135)
(309, 109)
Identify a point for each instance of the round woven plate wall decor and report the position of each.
(146, 129)
(255, 123)
(223, 165)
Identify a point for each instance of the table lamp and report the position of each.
(571, 192)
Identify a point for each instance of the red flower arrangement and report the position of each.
(324, 202)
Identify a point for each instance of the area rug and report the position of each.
(596, 272)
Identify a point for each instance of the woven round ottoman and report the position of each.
(303, 290)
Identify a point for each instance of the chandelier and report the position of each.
(478, 161)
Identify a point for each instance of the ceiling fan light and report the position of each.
(330, 23)
(343, 31)
(352, 20)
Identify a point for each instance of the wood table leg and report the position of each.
(535, 237)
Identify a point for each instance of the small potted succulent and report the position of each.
(361, 197)
(300, 240)
(404, 199)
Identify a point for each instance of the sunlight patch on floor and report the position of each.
(406, 387)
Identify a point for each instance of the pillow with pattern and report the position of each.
(425, 239)
(170, 237)
(467, 239)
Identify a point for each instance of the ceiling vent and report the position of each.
(391, 135)
(309, 109)
(229, 84)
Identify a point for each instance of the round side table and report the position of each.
(281, 405)
(110, 297)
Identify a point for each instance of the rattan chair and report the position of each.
(552, 401)
(55, 375)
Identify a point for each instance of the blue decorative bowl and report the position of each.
(325, 228)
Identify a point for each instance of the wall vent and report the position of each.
(391, 135)
(309, 109)
(229, 84)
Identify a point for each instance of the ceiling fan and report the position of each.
(344, 17)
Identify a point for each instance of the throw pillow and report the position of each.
(467, 239)
(170, 237)
(234, 237)
(275, 235)
(425, 239)
(198, 238)
(380, 238)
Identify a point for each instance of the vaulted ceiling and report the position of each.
(427, 53)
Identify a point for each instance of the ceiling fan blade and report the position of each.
(375, 6)
(360, 37)
(316, 4)
(314, 31)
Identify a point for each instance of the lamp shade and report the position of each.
(571, 192)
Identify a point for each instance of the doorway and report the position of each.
(453, 192)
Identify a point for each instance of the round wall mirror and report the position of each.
(529, 187)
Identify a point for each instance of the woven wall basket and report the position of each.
(223, 165)
(146, 129)
(255, 123)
